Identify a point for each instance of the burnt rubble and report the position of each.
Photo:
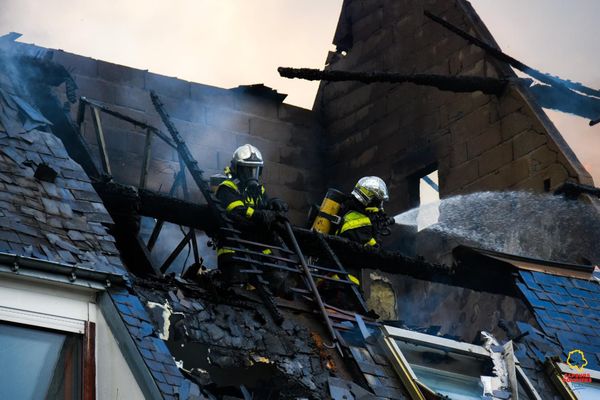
(225, 342)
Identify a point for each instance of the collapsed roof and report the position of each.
(61, 203)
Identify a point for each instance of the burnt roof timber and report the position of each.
(501, 56)
(199, 216)
(128, 199)
(458, 84)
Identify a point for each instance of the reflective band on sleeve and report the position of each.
(267, 251)
(220, 252)
(230, 184)
(249, 212)
(235, 204)
(372, 209)
(371, 242)
(354, 220)
(351, 278)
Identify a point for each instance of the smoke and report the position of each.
(532, 225)
(221, 43)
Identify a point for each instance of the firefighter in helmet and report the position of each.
(363, 217)
(358, 217)
(246, 203)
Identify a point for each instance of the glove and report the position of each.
(265, 218)
(279, 205)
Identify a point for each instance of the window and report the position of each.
(443, 367)
(586, 391)
(39, 364)
(429, 197)
(582, 384)
(47, 340)
(424, 196)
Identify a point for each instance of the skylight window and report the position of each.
(579, 383)
(440, 367)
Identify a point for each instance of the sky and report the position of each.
(228, 43)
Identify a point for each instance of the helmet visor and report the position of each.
(246, 172)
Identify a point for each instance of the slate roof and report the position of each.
(568, 311)
(532, 351)
(238, 333)
(155, 353)
(59, 221)
(374, 364)
(62, 221)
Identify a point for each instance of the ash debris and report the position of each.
(224, 342)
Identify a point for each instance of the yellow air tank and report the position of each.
(328, 212)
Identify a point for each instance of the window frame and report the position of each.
(414, 181)
(556, 369)
(417, 389)
(72, 313)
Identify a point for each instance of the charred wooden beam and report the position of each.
(459, 84)
(199, 216)
(140, 124)
(572, 190)
(356, 255)
(513, 62)
(125, 199)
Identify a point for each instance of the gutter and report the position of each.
(71, 274)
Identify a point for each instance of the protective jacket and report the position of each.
(357, 225)
(244, 209)
(240, 205)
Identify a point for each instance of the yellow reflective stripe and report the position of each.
(262, 189)
(351, 278)
(354, 220)
(249, 212)
(371, 242)
(354, 215)
(372, 209)
(235, 204)
(267, 251)
(220, 252)
(230, 184)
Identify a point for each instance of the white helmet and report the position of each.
(370, 189)
(247, 162)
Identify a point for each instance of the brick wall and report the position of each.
(478, 142)
(212, 121)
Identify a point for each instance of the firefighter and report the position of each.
(362, 220)
(363, 217)
(247, 204)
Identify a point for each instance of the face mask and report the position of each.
(246, 174)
